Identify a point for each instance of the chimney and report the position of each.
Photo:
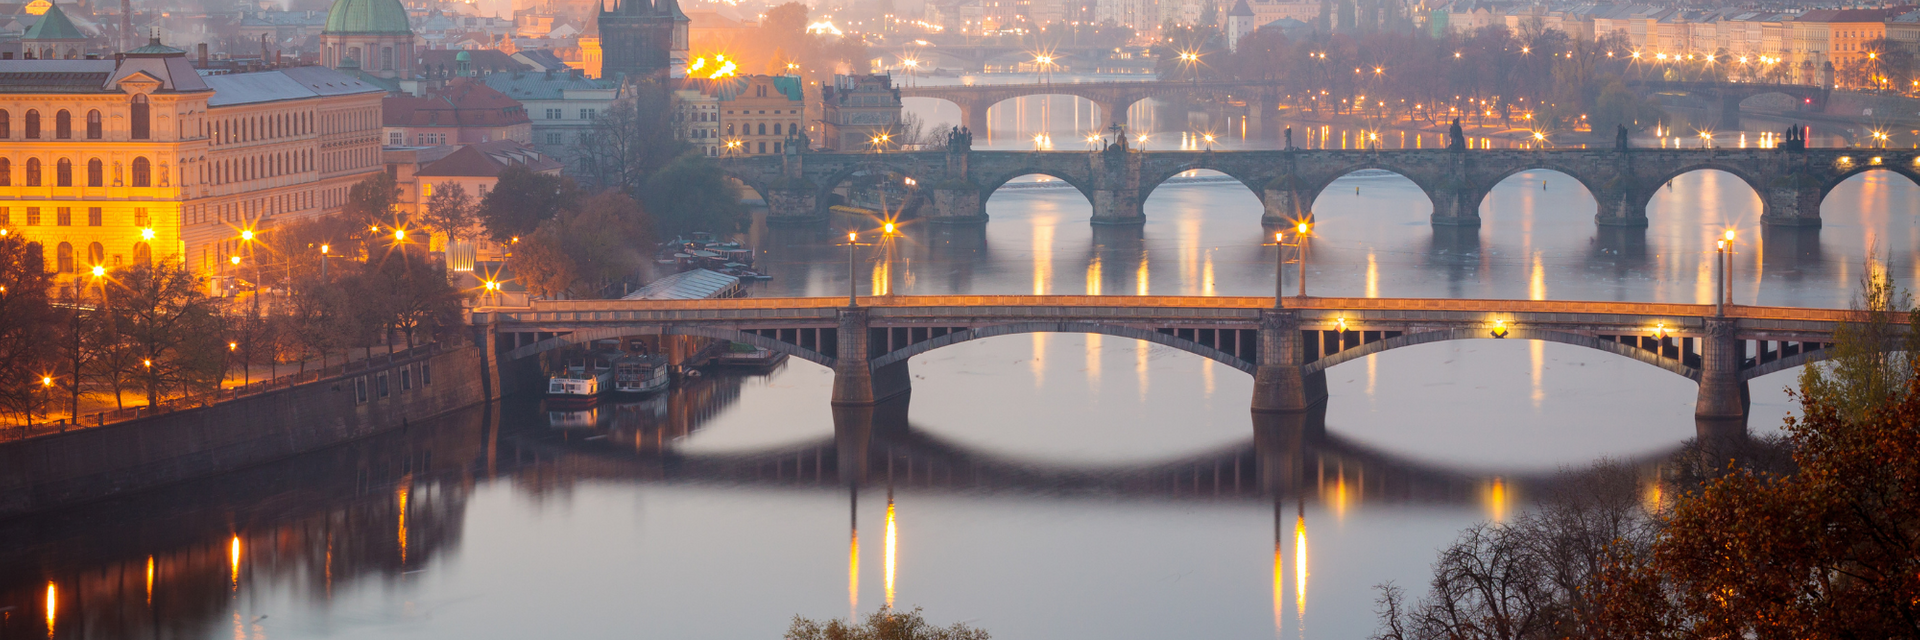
(276, 57)
(203, 55)
(126, 25)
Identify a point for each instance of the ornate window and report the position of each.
(96, 173)
(62, 125)
(6, 125)
(142, 172)
(141, 118)
(96, 254)
(63, 258)
(141, 254)
(6, 172)
(33, 124)
(93, 125)
(63, 173)
(33, 172)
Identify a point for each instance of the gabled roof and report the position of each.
(488, 159)
(463, 102)
(54, 25)
(1241, 9)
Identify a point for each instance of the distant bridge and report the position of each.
(952, 186)
(1287, 350)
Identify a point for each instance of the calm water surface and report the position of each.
(1039, 486)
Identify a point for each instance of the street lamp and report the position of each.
(853, 240)
(324, 250)
(1724, 299)
(1279, 245)
(1301, 232)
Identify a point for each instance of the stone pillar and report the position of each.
(1117, 206)
(1456, 204)
(792, 206)
(1113, 112)
(855, 381)
(1730, 111)
(1116, 187)
(1793, 201)
(1285, 202)
(1278, 384)
(1723, 395)
(490, 363)
(1619, 206)
(957, 204)
(974, 118)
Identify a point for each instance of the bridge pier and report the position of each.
(957, 204)
(1793, 201)
(1723, 395)
(1285, 202)
(855, 381)
(792, 206)
(1279, 385)
(1114, 112)
(1117, 206)
(974, 118)
(1456, 206)
(1730, 111)
(1619, 206)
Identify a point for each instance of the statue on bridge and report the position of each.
(959, 140)
(1620, 138)
(1456, 139)
(1119, 143)
(1795, 139)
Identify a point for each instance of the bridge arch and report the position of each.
(910, 170)
(1317, 183)
(1864, 164)
(586, 336)
(1593, 190)
(1254, 183)
(1121, 331)
(1652, 188)
(1673, 366)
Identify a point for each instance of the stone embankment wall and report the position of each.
(92, 464)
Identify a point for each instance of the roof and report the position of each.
(54, 25)
(488, 159)
(698, 284)
(285, 84)
(732, 89)
(367, 16)
(54, 76)
(477, 60)
(543, 86)
(463, 102)
(1241, 9)
(154, 48)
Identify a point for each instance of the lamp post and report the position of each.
(853, 240)
(1723, 297)
(1301, 232)
(1279, 245)
(324, 250)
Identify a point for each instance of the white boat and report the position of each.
(641, 374)
(582, 381)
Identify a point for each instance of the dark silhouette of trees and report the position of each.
(521, 200)
(26, 323)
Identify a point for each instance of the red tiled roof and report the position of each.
(488, 159)
(463, 102)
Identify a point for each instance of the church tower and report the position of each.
(643, 38)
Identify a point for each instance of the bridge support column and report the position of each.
(1723, 395)
(974, 118)
(792, 207)
(855, 381)
(1793, 202)
(1285, 202)
(1114, 113)
(1279, 386)
(1730, 112)
(1456, 205)
(960, 204)
(1117, 206)
(1619, 207)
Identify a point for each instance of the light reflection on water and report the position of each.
(593, 529)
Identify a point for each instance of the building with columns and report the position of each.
(112, 162)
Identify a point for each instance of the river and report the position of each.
(698, 515)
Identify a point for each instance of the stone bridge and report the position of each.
(1287, 350)
(953, 186)
(1113, 98)
(1731, 94)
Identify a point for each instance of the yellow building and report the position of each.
(108, 162)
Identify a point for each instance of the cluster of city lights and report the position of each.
(722, 67)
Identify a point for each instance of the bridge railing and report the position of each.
(1250, 303)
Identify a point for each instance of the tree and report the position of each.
(370, 203)
(26, 319)
(885, 624)
(583, 251)
(693, 194)
(1865, 371)
(521, 200)
(633, 139)
(1616, 107)
(419, 300)
(540, 261)
(450, 211)
(164, 314)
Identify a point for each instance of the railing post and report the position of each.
(1723, 395)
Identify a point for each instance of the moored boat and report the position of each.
(641, 374)
(746, 356)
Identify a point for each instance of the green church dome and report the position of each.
(367, 16)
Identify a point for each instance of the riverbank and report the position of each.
(80, 466)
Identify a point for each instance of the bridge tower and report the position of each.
(1279, 386)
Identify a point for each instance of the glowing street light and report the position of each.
(1724, 297)
(853, 240)
(146, 234)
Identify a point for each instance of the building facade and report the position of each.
(760, 114)
(860, 113)
(463, 111)
(562, 106)
(639, 38)
(696, 117)
(108, 163)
